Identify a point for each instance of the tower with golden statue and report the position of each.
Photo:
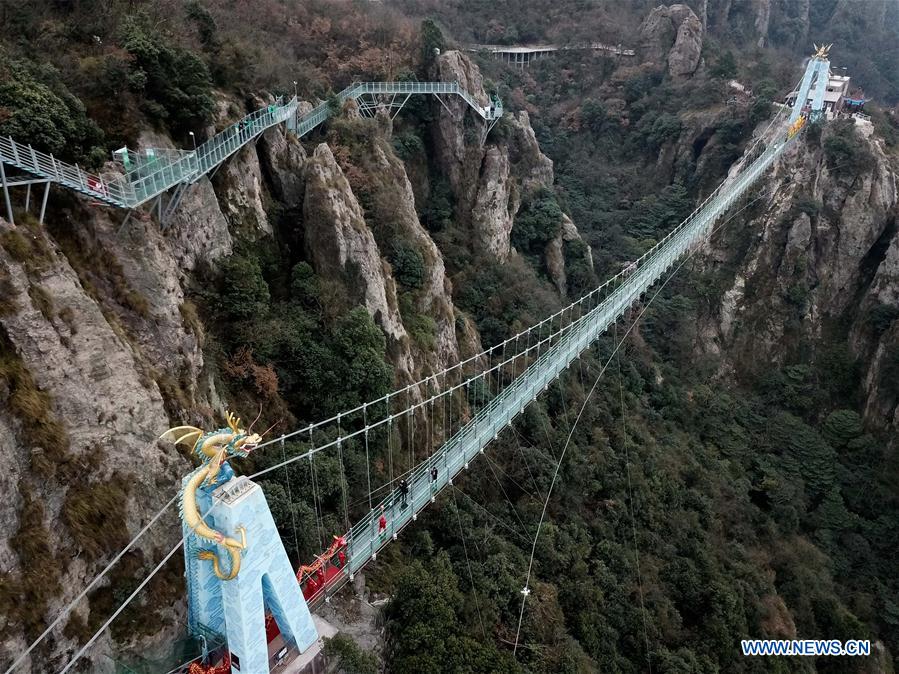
(236, 567)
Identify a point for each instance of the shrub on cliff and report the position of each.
(432, 41)
(408, 264)
(36, 107)
(845, 151)
(537, 223)
(175, 81)
(244, 293)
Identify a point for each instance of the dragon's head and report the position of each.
(219, 445)
(243, 441)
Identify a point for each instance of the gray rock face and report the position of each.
(683, 59)
(238, 185)
(760, 16)
(490, 181)
(495, 205)
(532, 167)
(434, 296)
(459, 154)
(198, 231)
(282, 156)
(657, 35)
(98, 386)
(341, 246)
(554, 255)
(672, 34)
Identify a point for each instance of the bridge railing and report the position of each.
(225, 143)
(45, 165)
(151, 172)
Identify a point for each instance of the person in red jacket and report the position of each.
(382, 523)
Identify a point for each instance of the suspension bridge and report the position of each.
(148, 174)
(428, 432)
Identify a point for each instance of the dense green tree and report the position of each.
(437, 214)
(244, 293)
(842, 426)
(408, 264)
(594, 115)
(432, 41)
(349, 658)
(175, 81)
(538, 222)
(725, 66)
(844, 150)
(424, 633)
(37, 108)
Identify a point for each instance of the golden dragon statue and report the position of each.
(213, 448)
(822, 52)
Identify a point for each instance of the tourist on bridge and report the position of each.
(382, 523)
(404, 491)
(433, 477)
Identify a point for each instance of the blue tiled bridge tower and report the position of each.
(266, 582)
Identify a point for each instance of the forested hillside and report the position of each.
(730, 472)
(868, 30)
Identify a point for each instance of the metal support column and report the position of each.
(6, 194)
(44, 202)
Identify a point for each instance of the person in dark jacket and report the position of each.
(404, 491)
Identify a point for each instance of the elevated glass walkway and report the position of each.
(151, 172)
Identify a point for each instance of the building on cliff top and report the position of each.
(835, 97)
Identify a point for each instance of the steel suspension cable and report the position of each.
(367, 456)
(316, 502)
(293, 518)
(68, 608)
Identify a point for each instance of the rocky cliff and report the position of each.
(101, 348)
(817, 263)
(491, 176)
(673, 35)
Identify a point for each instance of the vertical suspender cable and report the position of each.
(410, 422)
(316, 506)
(293, 518)
(390, 447)
(367, 457)
(343, 478)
